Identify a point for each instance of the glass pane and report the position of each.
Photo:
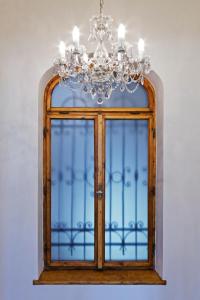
(72, 189)
(126, 228)
(68, 96)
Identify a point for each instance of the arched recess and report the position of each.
(47, 89)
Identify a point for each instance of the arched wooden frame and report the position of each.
(99, 115)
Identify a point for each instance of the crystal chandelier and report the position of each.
(112, 64)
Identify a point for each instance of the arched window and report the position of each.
(99, 186)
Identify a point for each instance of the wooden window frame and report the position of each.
(99, 271)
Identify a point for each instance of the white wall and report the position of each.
(29, 32)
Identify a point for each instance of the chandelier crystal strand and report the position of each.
(112, 65)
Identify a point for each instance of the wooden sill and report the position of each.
(128, 277)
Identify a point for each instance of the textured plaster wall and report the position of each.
(29, 33)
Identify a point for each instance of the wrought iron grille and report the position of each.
(126, 234)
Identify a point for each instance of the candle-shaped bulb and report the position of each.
(75, 36)
(141, 46)
(121, 36)
(121, 32)
(62, 49)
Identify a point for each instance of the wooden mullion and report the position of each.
(47, 199)
(103, 187)
(127, 116)
(65, 110)
(72, 115)
(151, 189)
(95, 190)
(133, 265)
(45, 238)
(73, 264)
(100, 198)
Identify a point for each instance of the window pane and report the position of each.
(67, 96)
(72, 189)
(126, 228)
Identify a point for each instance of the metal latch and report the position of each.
(99, 193)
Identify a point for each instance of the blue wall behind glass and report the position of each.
(74, 96)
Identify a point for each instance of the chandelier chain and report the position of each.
(101, 6)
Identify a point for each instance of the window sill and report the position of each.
(128, 277)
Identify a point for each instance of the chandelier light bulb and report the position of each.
(76, 36)
(62, 49)
(121, 33)
(141, 46)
